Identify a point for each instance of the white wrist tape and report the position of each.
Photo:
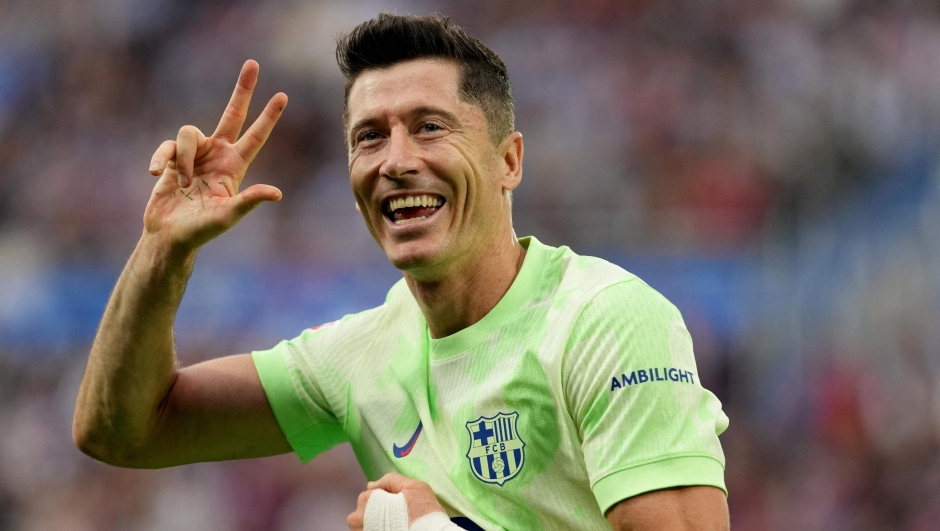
(385, 512)
(434, 522)
(389, 512)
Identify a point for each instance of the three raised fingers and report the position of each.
(188, 141)
(256, 135)
(237, 109)
(164, 154)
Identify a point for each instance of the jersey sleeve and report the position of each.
(306, 380)
(631, 385)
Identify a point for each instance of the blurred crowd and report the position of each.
(768, 165)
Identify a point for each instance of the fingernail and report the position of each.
(184, 182)
(154, 166)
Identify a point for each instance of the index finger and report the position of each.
(233, 117)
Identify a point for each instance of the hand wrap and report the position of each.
(389, 512)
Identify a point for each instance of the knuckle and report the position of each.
(233, 109)
(188, 131)
(364, 496)
(255, 135)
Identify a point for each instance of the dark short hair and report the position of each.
(391, 39)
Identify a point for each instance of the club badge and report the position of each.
(497, 452)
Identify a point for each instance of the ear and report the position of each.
(510, 153)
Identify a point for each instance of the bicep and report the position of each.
(216, 410)
(696, 508)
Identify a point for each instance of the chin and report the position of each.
(414, 257)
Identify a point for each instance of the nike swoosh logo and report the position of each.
(405, 450)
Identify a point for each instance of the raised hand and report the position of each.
(196, 197)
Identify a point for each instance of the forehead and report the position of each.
(405, 86)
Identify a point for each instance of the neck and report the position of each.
(470, 290)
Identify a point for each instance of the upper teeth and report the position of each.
(414, 201)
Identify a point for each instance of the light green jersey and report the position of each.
(578, 390)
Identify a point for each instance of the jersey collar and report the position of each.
(521, 290)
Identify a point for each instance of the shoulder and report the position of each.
(627, 316)
(364, 326)
(605, 314)
(629, 301)
(596, 288)
(587, 275)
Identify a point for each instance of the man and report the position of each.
(508, 384)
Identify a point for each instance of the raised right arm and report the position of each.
(135, 406)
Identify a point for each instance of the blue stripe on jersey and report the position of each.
(506, 468)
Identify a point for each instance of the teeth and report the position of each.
(410, 220)
(414, 201)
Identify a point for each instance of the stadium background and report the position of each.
(769, 166)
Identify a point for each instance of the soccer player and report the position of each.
(504, 383)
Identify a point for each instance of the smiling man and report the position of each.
(503, 384)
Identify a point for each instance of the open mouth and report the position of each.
(405, 209)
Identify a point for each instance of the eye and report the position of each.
(368, 136)
(431, 127)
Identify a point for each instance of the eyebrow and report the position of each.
(365, 122)
(423, 110)
(447, 115)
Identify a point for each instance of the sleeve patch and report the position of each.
(641, 376)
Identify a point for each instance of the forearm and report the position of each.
(132, 365)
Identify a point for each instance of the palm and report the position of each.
(203, 209)
(197, 196)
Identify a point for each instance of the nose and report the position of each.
(401, 157)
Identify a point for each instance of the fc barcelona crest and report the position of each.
(497, 453)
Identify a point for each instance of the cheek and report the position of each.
(359, 179)
(361, 196)
(466, 166)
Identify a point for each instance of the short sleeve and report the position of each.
(631, 385)
(306, 380)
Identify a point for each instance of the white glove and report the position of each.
(389, 512)
(385, 512)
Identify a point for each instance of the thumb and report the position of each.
(253, 196)
(390, 482)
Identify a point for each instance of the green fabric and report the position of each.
(306, 436)
(570, 395)
(520, 292)
(668, 473)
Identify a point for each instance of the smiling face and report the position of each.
(426, 175)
